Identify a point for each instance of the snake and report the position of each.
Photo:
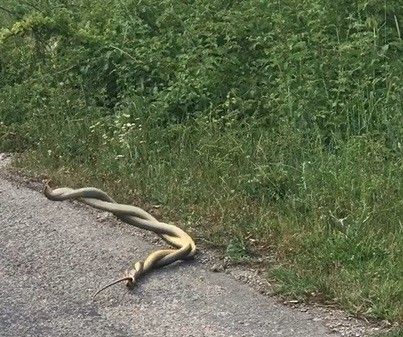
(183, 246)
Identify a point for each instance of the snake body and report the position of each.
(176, 237)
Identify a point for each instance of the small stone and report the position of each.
(217, 268)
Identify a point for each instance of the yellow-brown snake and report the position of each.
(176, 237)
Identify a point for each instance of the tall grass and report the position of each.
(268, 128)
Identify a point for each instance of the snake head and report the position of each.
(130, 276)
(47, 191)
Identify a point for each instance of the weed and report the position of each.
(273, 127)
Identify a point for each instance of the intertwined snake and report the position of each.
(176, 237)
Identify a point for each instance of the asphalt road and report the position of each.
(54, 255)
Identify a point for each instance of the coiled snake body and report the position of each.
(176, 237)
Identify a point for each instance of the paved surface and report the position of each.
(54, 255)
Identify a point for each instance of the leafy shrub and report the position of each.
(274, 127)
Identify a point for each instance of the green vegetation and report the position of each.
(394, 333)
(267, 128)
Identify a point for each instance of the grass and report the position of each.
(260, 130)
(394, 333)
